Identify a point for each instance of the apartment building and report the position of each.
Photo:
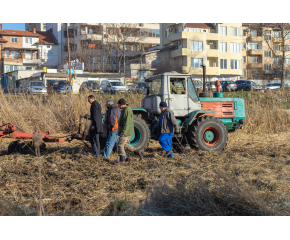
(143, 35)
(25, 50)
(38, 26)
(216, 45)
(262, 51)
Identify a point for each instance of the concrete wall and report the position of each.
(29, 45)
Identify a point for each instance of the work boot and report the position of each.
(168, 153)
(122, 160)
(106, 159)
(139, 153)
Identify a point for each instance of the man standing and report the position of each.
(166, 125)
(97, 125)
(125, 130)
(112, 125)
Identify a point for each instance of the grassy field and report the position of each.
(251, 177)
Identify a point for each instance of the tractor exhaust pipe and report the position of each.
(204, 93)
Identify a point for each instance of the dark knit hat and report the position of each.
(163, 104)
(122, 101)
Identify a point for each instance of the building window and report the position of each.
(196, 62)
(255, 45)
(235, 48)
(13, 54)
(236, 32)
(176, 30)
(166, 32)
(276, 34)
(244, 59)
(276, 47)
(267, 54)
(6, 54)
(223, 64)
(223, 47)
(287, 35)
(244, 73)
(14, 40)
(235, 64)
(276, 60)
(287, 74)
(196, 45)
(254, 59)
(28, 40)
(253, 33)
(267, 37)
(267, 66)
(287, 60)
(287, 47)
(44, 27)
(267, 32)
(28, 54)
(244, 46)
(194, 30)
(223, 31)
(34, 55)
(244, 33)
(277, 75)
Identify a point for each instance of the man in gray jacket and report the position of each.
(166, 125)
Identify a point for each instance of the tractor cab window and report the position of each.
(177, 86)
(191, 91)
(154, 87)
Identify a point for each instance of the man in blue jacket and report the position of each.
(165, 126)
(97, 125)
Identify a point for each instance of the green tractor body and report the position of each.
(204, 121)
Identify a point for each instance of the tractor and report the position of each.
(204, 121)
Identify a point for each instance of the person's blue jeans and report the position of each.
(112, 140)
(165, 141)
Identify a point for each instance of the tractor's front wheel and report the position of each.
(207, 134)
(141, 137)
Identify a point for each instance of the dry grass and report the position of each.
(251, 177)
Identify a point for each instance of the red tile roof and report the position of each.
(44, 37)
(200, 25)
(3, 40)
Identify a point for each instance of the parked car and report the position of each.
(113, 86)
(90, 86)
(63, 87)
(198, 84)
(247, 85)
(36, 87)
(140, 87)
(212, 86)
(226, 85)
(272, 86)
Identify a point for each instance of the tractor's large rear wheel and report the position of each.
(207, 134)
(141, 137)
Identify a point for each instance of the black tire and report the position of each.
(12, 147)
(142, 135)
(247, 89)
(196, 134)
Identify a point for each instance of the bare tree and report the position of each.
(278, 44)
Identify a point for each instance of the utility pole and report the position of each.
(68, 48)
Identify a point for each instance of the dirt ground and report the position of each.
(70, 180)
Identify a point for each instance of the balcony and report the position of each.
(91, 36)
(256, 52)
(268, 71)
(176, 36)
(255, 39)
(178, 52)
(277, 39)
(255, 65)
(278, 53)
(212, 53)
(212, 36)
(32, 61)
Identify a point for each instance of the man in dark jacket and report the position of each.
(166, 125)
(112, 125)
(125, 130)
(97, 125)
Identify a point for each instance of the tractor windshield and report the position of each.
(155, 87)
(191, 90)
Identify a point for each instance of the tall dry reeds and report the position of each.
(53, 113)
